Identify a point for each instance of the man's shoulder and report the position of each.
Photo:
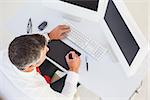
(3, 55)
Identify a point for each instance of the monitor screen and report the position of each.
(89, 4)
(121, 32)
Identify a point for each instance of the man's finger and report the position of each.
(64, 27)
(64, 33)
(66, 30)
(74, 55)
(64, 36)
(67, 57)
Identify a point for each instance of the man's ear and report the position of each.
(33, 66)
(30, 68)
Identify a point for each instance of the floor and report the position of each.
(134, 6)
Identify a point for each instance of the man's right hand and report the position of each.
(73, 63)
(59, 32)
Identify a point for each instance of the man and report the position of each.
(20, 81)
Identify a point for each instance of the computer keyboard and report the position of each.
(87, 44)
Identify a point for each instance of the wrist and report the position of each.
(46, 35)
(49, 36)
(73, 70)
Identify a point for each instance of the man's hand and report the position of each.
(59, 32)
(73, 63)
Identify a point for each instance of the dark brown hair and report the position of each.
(26, 49)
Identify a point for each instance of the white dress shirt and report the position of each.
(18, 85)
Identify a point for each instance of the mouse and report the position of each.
(42, 26)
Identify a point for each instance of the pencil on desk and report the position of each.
(87, 66)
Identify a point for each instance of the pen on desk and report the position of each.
(29, 26)
(87, 66)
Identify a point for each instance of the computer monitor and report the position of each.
(76, 9)
(123, 34)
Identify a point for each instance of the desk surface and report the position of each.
(106, 78)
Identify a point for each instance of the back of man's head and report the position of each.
(26, 49)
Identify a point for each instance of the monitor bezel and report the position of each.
(74, 10)
(136, 32)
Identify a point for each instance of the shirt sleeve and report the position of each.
(70, 87)
(46, 36)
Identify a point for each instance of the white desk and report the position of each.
(105, 78)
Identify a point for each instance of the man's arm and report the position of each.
(70, 87)
(72, 76)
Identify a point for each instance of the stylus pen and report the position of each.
(29, 26)
(87, 66)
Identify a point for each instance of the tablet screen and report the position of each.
(58, 50)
